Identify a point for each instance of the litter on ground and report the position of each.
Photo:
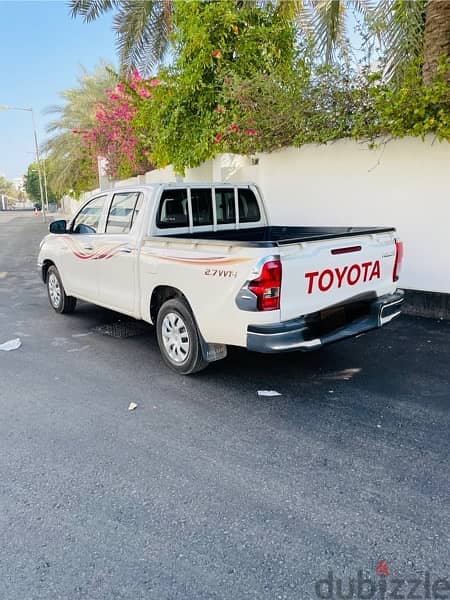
(11, 345)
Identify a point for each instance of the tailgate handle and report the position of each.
(346, 250)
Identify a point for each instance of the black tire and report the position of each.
(180, 346)
(59, 300)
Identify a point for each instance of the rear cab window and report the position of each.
(248, 206)
(202, 207)
(206, 208)
(173, 209)
(225, 206)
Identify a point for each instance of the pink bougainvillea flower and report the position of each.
(154, 82)
(143, 93)
(113, 134)
(250, 131)
(217, 138)
(234, 128)
(216, 54)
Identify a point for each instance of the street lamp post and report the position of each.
(36, 147)
(45, 185)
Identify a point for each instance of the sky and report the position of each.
(41, 51)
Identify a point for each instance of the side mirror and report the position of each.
(58, 226)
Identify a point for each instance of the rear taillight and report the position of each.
(267, 286)
(398, 260)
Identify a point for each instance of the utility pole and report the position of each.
(36, 147)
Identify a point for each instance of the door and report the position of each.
(118, 276)
(81, 249)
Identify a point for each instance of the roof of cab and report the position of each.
(144, 186)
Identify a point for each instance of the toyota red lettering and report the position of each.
(349, 274)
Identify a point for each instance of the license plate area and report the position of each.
(333, 317)
(328, 320)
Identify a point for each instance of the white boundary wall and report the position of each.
(404, 183)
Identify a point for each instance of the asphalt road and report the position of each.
(207, 491)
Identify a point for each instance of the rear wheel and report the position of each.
(59, 300)
(178, 338)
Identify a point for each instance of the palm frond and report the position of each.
(365, 7)
(143, 28)
(326, 21)
(296, 10)
(401, 24)
(328, 25)
(290, 9)
(91, 9)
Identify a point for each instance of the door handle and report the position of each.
(88, 247)
(127, 249)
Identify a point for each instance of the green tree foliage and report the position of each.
(6, 187)
(224, 94)
(319, 104)
(245, 78)
(32, 186)
(215, 42)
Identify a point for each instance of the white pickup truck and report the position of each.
(202, 263)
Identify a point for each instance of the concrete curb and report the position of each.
(427, 304)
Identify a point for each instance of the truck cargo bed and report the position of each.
(276, 235)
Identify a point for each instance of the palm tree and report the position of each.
(436, 38)
(64, 146)
(142, 28)
(407, 28)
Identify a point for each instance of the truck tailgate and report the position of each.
(320, 274)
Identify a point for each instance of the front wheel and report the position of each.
(59, 300)
(178, 338)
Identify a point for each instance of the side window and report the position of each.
(202, 211)
(225, 211)
(123, 212)
(248, 206)
(89, 216)
(173, 209)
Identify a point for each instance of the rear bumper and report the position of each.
(301, 333)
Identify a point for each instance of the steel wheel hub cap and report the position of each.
(175, 338)
(54, 290)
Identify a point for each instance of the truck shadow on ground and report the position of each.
(406, 358)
